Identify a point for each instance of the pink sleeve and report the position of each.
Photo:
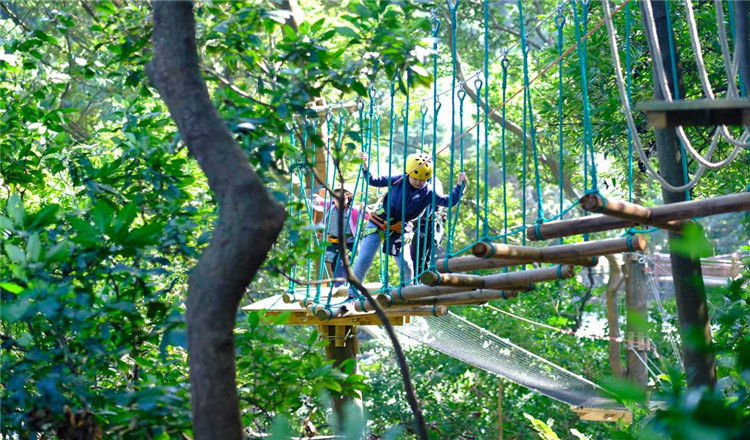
(354, 220)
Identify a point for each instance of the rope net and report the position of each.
(463, 340)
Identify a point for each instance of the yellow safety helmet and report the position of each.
(419, 166)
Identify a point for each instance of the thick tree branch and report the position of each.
(249, 222)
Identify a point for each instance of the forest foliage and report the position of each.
(103, 213)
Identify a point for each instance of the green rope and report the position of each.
(452, 7)
(384, 267)
(405, 115)
(587, 129)
(290, 289)
(478, 114)
(629, 80)
(560, 22)
(530, 115)
(486, 228)
(435, 109)
(452, 224)
(504, 64)
(683, 158)
(303, 195)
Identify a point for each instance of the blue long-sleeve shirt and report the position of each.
(417, 199)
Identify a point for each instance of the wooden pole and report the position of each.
(511, 280)
(636, 296)
(626, 211)
(690, 292)
(659, 214)
(563, 251)
(466, 298)
(466, 264)
(411, 292)
(452, 279)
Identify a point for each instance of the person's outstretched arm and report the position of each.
(455, 195)
(377, 181)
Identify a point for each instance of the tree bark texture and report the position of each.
(613, 285)
(249, 222)
(636, 300)
(690, 292)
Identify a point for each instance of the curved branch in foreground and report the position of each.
(249, 222)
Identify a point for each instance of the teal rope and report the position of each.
(486, 229)
(303, 196)
(673, 60)
(504, 64)
(405, 115)
(454, 24)
(435, 109)
(629, 80)
(560, 22)
(290, 289)
(527, 91)
(384, 267)
(581, 47)
(730, 7)
(452, 230)
(478, 88)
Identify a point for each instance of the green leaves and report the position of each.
(692, 243)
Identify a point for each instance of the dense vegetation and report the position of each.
(104, 212)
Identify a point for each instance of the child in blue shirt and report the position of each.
(397, 207)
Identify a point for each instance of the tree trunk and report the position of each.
(613, 285)
(342, 345)
(690, 292)
(636, 298)
(249, 223)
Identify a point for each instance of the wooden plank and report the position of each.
(359, 319)
(466, 264)
(555, 253)
(625, 211)
(659, 214)
(699, 112)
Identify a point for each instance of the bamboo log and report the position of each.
(325, 313)
(626, 211)
(507, 281)
(526, 277)
(556, 253)
(467, 298)
(451, 279)
(466, 264)
(659, 214)
(420, 291)
(400, 309)
(386, 300)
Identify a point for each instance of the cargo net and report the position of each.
(463, 340)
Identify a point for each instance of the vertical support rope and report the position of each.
(290, 289)
(504, 64)
(384, 266)
(486, 228)
(405, 115)
(673, 61)
(560, 22)
(452, 7)
(435, 109)
(629, 79)
(478, 88)
(530, 114)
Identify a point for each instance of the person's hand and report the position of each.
(365, 159)
(462, 179)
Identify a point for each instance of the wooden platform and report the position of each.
(700, 112)
(603, 414)
(298, 315)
